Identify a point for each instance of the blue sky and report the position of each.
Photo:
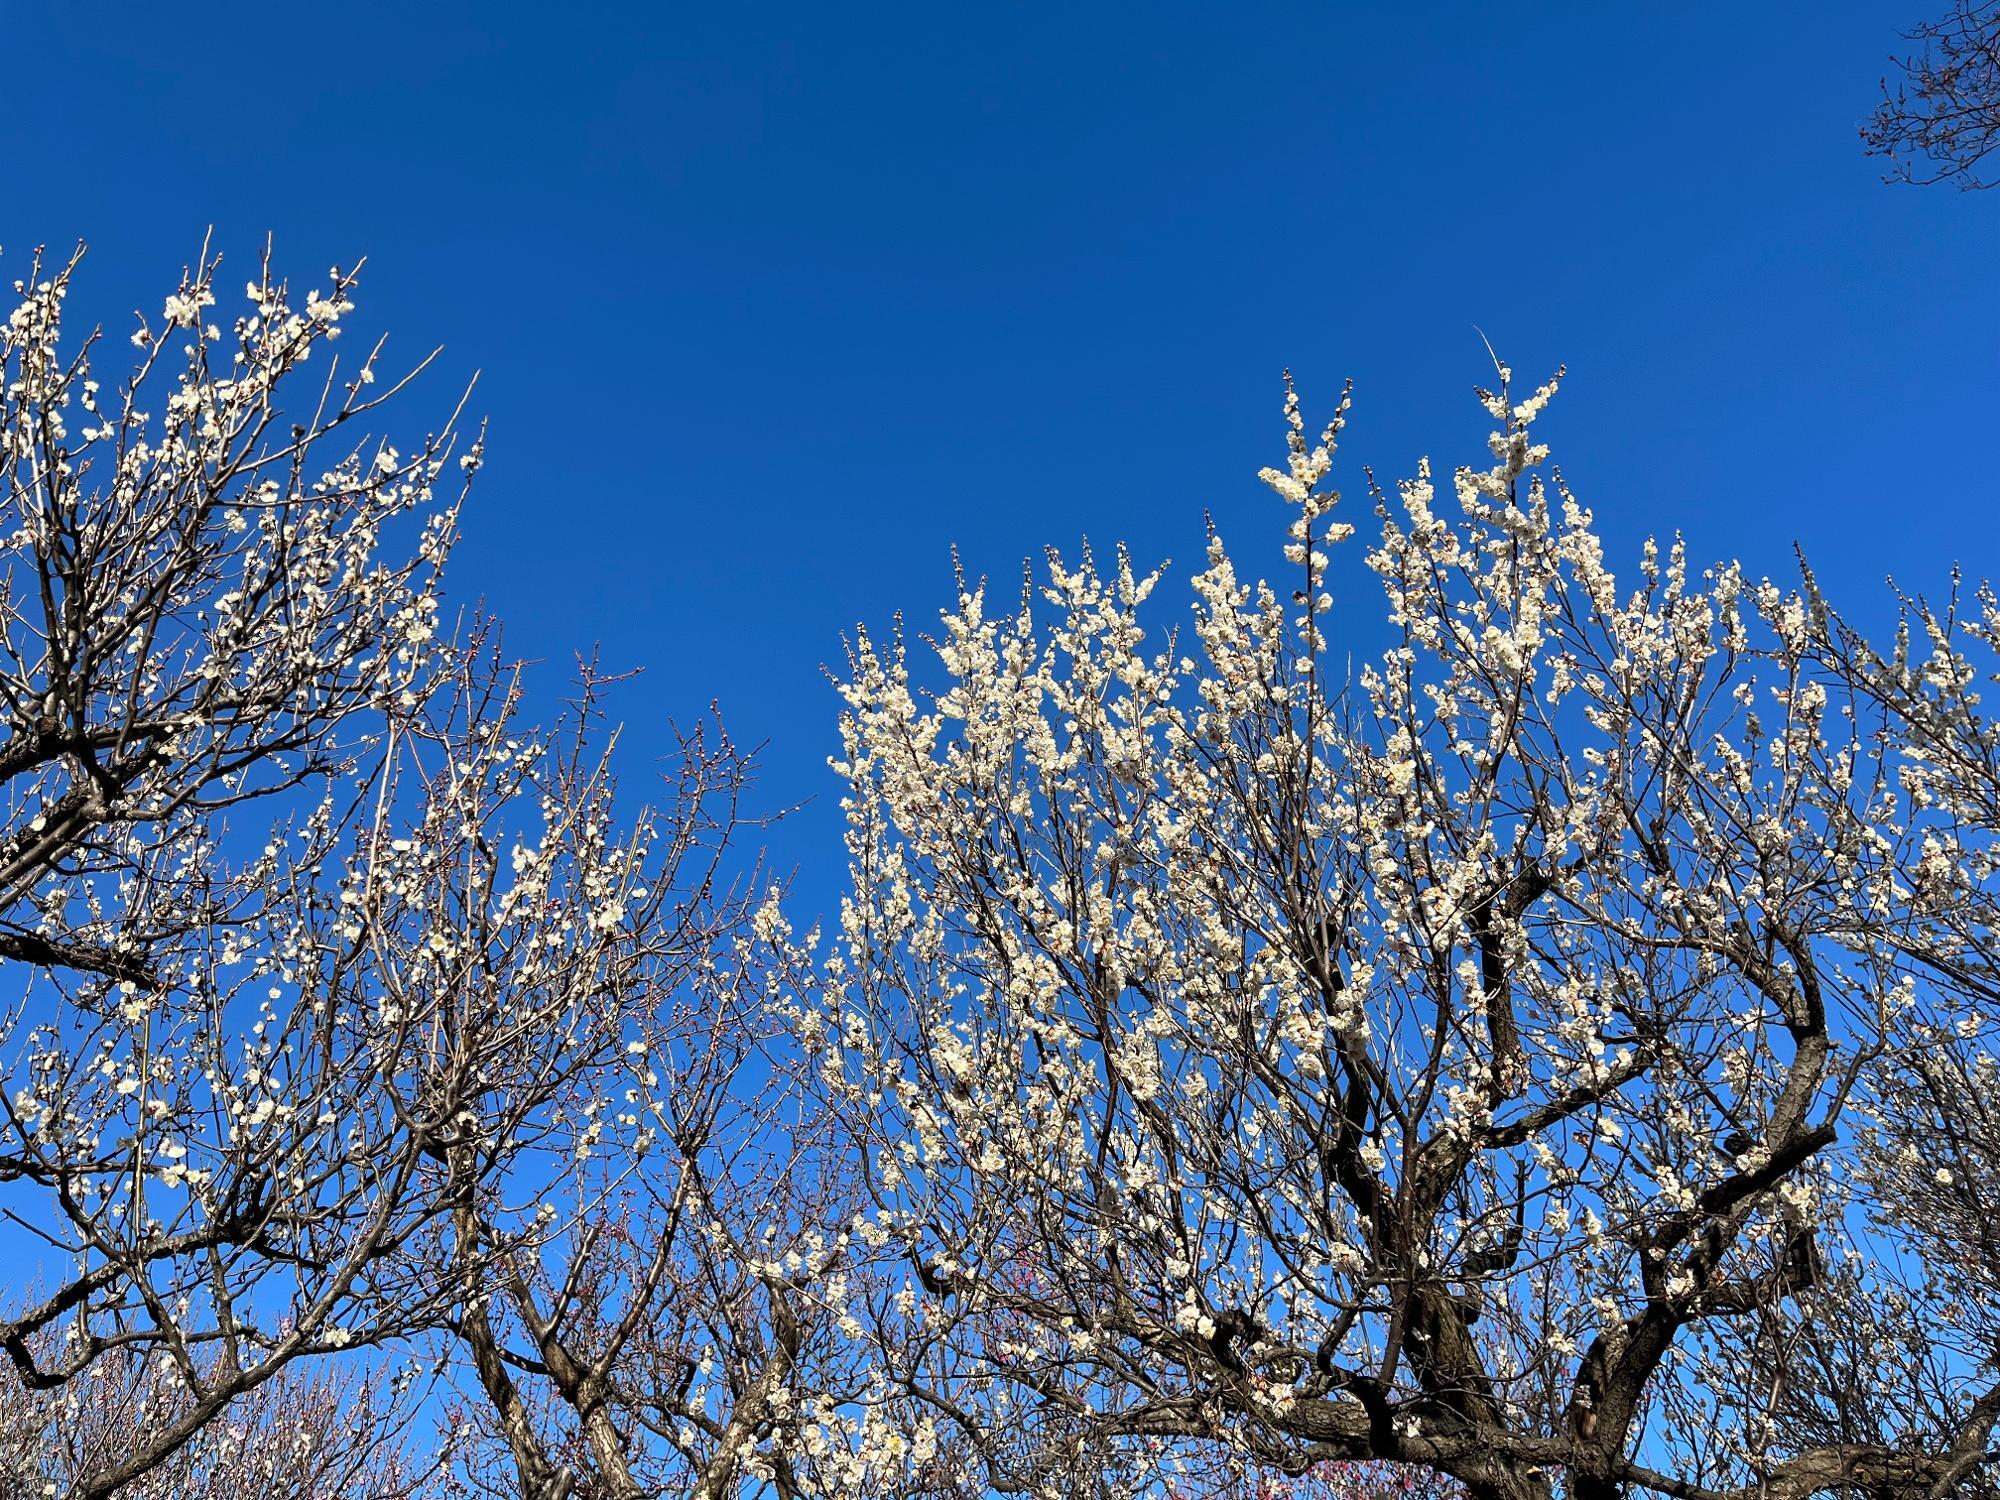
(776, 303)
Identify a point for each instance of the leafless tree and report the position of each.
(306, 1434)
(1941, 120)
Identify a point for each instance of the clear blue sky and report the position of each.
(774, 303)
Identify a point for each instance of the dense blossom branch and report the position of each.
(214, 597)
(1456, 1066)
(1551, 1058)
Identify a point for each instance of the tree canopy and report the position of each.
(1494, 1020)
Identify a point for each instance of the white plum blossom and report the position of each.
(1463, 1059)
